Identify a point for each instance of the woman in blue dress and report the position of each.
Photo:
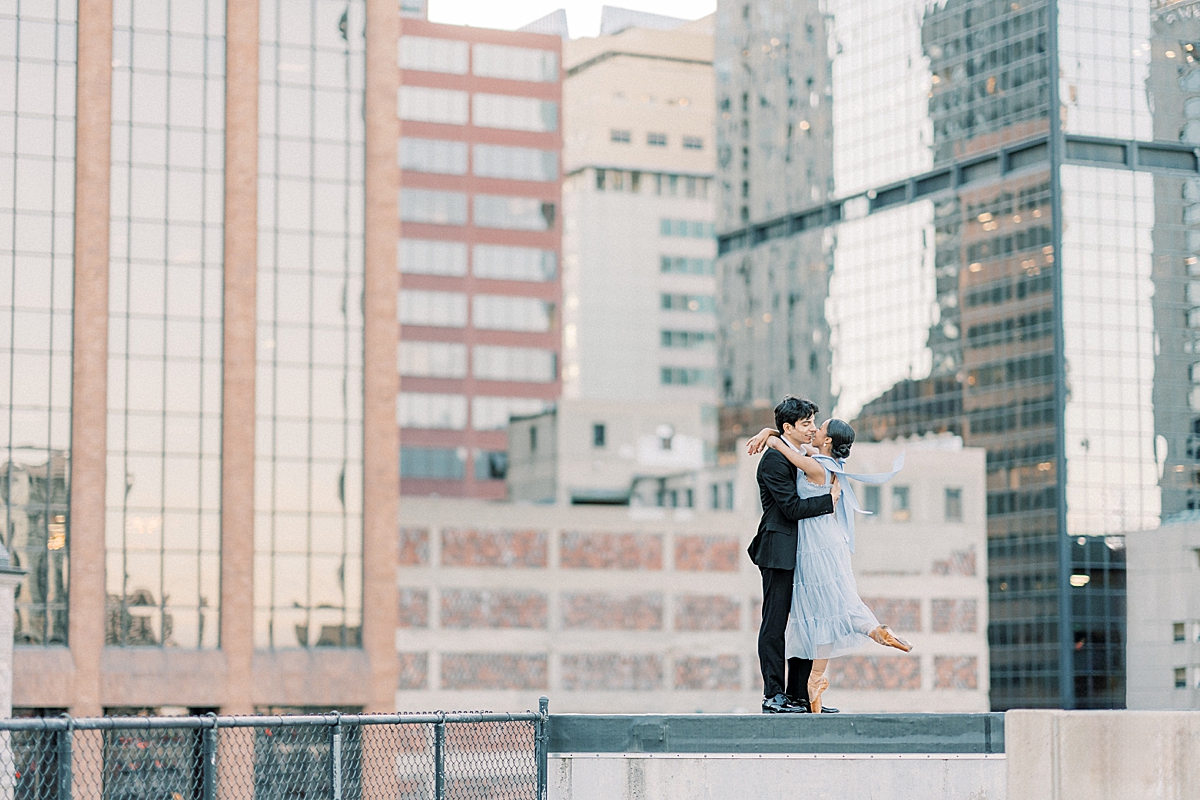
(828, 618)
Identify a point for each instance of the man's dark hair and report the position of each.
(793, 409)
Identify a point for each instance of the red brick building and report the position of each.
(480, 213)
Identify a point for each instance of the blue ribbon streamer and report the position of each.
(849, 504)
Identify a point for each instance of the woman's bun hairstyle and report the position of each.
(841, 437)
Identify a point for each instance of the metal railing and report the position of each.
(439, 756)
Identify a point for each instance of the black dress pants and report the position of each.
(777, 603)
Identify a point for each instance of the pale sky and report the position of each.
(583, 16)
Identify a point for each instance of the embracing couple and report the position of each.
(811, 610)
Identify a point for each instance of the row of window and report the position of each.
(455, 107)
(449, 360)
(684, 227)
(665, 184)
(445, 463)
(486, 60)
(434, 207)
(624, 136)
(680, 265)
(701, 303)
(901, 505)
(488, 311)
(487, 160)
(449, 411)
(687, 339)
(687, 376)
(490, 261)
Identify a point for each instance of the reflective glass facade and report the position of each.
(308, 497)
(165, 324)
(923, 233)
(37, 171)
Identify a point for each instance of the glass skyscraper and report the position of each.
(925, 232)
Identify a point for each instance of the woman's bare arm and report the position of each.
(814, 471)
(758, 442)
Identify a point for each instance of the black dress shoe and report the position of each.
(829, 710)
(780, 704)
(799, 702)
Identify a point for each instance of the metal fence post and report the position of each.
(439, 759)
(541, 747)
(208, 756)
(64, 763)
(335, 758)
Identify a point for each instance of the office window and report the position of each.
(533, 437)
(433, 207)
(954, 510)
(444, 106)
(686, 376)
(500, 313)
(682, 227)
(681, 265)
(433, 155)
(433, 55)
(514, 63)
(513, 213)
(439, 309)
(687, 339)
(599, 433)
(514, 113)
(729, 495)
(429, 257)
(693, 143)
(900, 504)
(433, 463)
(427, 410)
(491, 465)
(1179, 631)
(870, 499)
(656, 139)
(527, 364)
(619, 136)
(432, 359)
(715, 496)
(503, 263)
(696, 303)
(1181, 677)
(515, 163)
(492, 413)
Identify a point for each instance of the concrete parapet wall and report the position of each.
(776, 776)
(1103, 755)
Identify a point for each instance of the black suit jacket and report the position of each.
(774, 546)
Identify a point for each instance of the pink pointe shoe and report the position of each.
(883, 635)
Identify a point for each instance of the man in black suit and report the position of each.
(773, 550)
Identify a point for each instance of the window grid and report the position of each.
(165, 325)
(36, 273)
(308, 499)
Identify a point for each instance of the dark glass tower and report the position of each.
(925, 233)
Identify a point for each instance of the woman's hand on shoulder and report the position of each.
(760, 441)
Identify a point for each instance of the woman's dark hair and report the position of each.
(792, 410)
(841, 436)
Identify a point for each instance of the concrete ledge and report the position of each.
(758, 733)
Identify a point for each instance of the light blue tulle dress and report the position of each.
(828, 619)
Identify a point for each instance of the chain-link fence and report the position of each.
(331, 757)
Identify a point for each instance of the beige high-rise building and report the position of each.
(639, 316)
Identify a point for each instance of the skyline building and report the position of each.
(479, 251)
(961, 243)
(639, 312)
(198, 229)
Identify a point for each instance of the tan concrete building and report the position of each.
(642, 608)
(639, 315)
(199, 209)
